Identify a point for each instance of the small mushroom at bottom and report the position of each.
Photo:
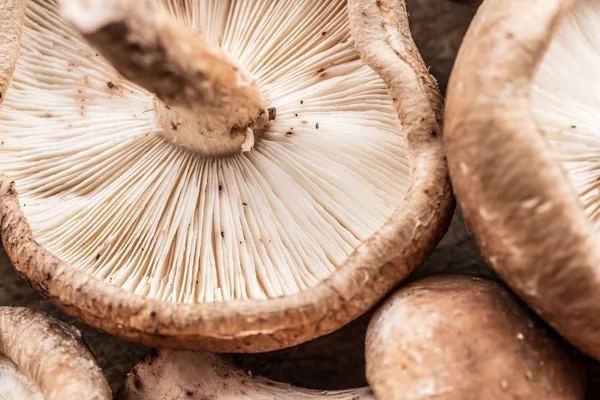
(465, 338)
(42, 358)
(171, 375)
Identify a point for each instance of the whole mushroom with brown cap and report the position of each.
(522, 145)
(464, 338)
(170, 375)
(268, 172)
(42, 358)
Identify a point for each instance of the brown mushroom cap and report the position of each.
(458, 337)
(184, 374)
(513, 173)
(52, 355)
(381, 33)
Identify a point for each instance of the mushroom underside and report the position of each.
(106, 187)
(14, 385)
(209, 376)
(565, 101)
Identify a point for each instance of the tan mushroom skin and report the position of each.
(464, 338)
(341, 192)
(11, 13)
(522, 143)
(49, 357)
(14, 385)
(183, 374)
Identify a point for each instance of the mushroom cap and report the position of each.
(511, 167)
(376, 264)
(14, 385)
(11, 15)
(184, 374)
(48, 357)
(463, 338)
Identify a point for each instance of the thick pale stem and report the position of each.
(208, 103)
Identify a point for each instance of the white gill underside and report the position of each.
(566, 101)
(108, 195)
(13, 384)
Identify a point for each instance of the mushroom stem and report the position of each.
(52, 355)
(170, 374)
(207, 103)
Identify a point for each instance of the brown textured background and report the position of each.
(335, 361)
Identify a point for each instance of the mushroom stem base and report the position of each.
(207, 132)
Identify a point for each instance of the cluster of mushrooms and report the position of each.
(242, 176)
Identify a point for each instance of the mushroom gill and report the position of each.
(112, 179)
(565, 100)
